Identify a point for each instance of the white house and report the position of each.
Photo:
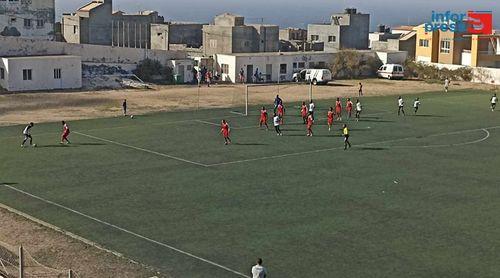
(33, 73)
(270, 65)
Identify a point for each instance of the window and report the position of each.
(445, 46)
(423, 43)
(314, 38)
(40, 23)
(332, 39)
(302, 65)
(322, 65)
(27, 23)
(75, 29)
(282, 68)
(27, 74)
(213, 43)
(294, 65)
(13, 20)
(2, 73)
(57, 73)
(224, 68)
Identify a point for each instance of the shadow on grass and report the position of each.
(375, 120)
(9, 183)
(429, 116)
(250, 144)
(303, 135)
(371, 149)
(70, 145)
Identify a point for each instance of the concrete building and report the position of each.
(293, 34)
(90, 24)
(33, 73)
(382, 34)
(271, 66)
(229, 34)
(348, 30)
(33, 19)
(389, 41)
(455, 48)
(96, 23)
(169, 35)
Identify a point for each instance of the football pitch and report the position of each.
(416, 196)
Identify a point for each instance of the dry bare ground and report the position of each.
(61, 251)
(55, 106)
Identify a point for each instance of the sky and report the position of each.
(297, 13)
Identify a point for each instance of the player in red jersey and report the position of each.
(225, 130)
(330, 118)
(310, 122)
(303, 112)
(65, 133)
(338, 109)
(348, 108)
(263, 118)
(280, 111)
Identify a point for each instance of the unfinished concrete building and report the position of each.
(96, 23)
(348, 30)
(229, 34)
(175, 35)
(30, 19)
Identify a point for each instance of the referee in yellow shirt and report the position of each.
(345, 132)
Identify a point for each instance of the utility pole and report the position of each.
(21, 262)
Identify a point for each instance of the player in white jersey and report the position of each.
(359, 107)
(416, 105)
(27, 135)
(277, 122)
(494, 101)
(258, 271)
(312, 106)
(446, 85)
(401, 106)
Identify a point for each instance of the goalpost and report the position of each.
(255, 94)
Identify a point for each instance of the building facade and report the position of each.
(229, 34)
(167, 35)
(453, 48)
(34, 73)
(348, 30)
(270, 66)
(30, 19)
(96, 23)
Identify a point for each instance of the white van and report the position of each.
(316, 76)
(391, 71)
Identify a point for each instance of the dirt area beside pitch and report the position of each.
(21, 108)
(59, 251)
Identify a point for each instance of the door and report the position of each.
(180, 72)
(249, 73)
(269, 72)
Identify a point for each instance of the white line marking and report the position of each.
(126, 231)
(449, 145)
(141, 149)
(208, 123)
(360, 145)
(237, 113)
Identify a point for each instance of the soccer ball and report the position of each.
(131, 116)
(34, 145)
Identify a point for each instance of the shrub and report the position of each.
(353, 64)
(430, 72)
(152, 70)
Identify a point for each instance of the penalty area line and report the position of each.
(141, 149)
(126, 231)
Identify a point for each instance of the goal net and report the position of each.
(252, 97)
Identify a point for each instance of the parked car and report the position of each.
(391, 71)
(316, 76)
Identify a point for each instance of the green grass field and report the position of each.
(416, 196)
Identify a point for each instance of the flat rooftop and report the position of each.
(264, 54)
(40, 57)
